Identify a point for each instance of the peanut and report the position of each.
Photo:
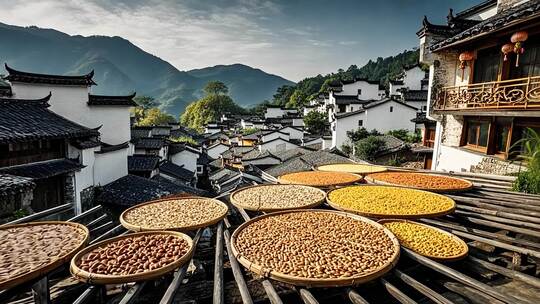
(315, 244)
(382, 201)
(319, 178)
(277, 197)
(134, 255)
(175, 213)
(24, 249)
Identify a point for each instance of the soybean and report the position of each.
(277, 197)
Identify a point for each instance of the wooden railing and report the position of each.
(514, 94)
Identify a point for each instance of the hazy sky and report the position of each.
(293, 39)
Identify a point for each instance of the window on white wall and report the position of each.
(360, 122)
(359, 91)
(391, 109)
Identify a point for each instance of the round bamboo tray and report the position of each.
(469, 186)
(395, 216)
(313, 282)
(94, 278)
(355, 179)
(136, 228)
(456, 257)
(41, 271)
(245, 206)
(361, 169)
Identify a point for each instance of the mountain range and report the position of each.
(121, 67)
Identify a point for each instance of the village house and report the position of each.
(278, 111)
(483, 85)
(185, 155)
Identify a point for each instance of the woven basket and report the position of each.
(454, 190)
(39, 272)
(358, 179)
(240, 204)
(311, 282)
(93, 278)
(395, 216)
(373, 168)
(136, 228)
(439, 258)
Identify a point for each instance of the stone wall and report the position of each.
(492, 165)
(503, 5)
(87, 198)
(12, 202)
(69, 188)
(452, 130)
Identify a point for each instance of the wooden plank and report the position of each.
(86, 213)
(237, 271)
(307, 297)
(508, 215)
(115, 230)
(271, 292)
(396, 293)
(423, 289)
(472, 294)
(355, 297)
(516, 223)
(132, 293)
(525, 278)
(498, 225)
(456, 275)
(218, 297)
(85, 296)
(40, 291)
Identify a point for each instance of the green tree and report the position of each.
(210, 107)
(283, 95)
(216, 88)
(529, 181)
(183, 139)
(146, 102)
(369, 147)
(297, 100)
(155, 117)
(249, 131)
(358, 134)
(316, 122)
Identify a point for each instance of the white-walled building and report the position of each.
(383, 115)
(271, 135)
(277, 145)
(278, 111)
(413, 78)
(184, 155)
(217, 149)
(293, 132)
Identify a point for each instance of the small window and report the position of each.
(360, 123)
(391, 109)
(477, 134)
(359, 91)
(199, 169)
(424, 108)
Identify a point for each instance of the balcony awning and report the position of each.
(43, 169)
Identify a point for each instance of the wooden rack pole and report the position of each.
(492, 224)
(396, 293)
(307, 297)
(525, 278)
(218, 267)
(86, 213)
(107, 234)
(517, 223)
(355, 297)
(237, 271)
(423, 289)
(501, 214)
(178, 276)
(456, 275)
(41, 292)
(489, 202)
(271, 292)
(132, 293)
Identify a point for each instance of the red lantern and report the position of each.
(463, 58)
(507, 49)
(518, 38)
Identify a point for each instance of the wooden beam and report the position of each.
(237, 271)
(396, 293)
(355, 297)
(40, 291)
(423, 289)
(525, 278)
(218, 267)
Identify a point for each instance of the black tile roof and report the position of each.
(518, 14)
(106, 148)
(151, 143)
(11, 184)
(103, 100)
(204, 159)
(415, 95)
(422, 118)
(357, 79)
(138, 132)
(385, 100)
(87, 143)
(349, 99)
(177, 171)
(26, 120)
(142, 163)
(179, 147)
(43, 169)
(306, 161)
(19, 76)
(131, 190)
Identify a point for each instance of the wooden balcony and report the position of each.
(515, 94)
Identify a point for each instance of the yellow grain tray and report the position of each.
(390, 202)
(315, 248)
(182, 214)
(426, 240)
(361, 169)
(421, 181)
(320, 178)
(272, 197)
(15, 251)
(95, 278)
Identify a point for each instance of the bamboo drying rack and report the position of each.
(455, 257)
(358, 179)
(36, 273)
(447, 190)
(242, 205)
(93, 278)
(395, 216)
(313, 282)
(137, 228)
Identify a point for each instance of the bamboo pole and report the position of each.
(133, 292)
(507, 215)
(355, 297)
(237, 271)
(513, 205)
(271, 292)
(218, 267)
(307, 297)
(423, 289)
(396, 293)
(471, 293)
(525, 278)
(499, 219)
(499, 225)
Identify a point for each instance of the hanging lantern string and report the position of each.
(518, 38)
(463, 58)
(507, 49)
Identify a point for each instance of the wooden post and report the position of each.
(40, 291)
(218, 266)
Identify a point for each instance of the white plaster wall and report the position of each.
(216, 151)
(381, 119)
(115, 121)
(484, 14)
(274, 113)
(369, 91)
(297, 122)
(342, 125)
(413, 78)
(186, 158)
(110, 166)
(274, 146)
(394, 88)
(85, 177)
(327, 143)
(274, 135)
(455, 159)
(418, 104)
